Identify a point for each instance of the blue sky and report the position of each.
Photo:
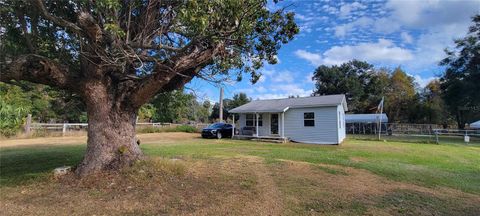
(407, 33)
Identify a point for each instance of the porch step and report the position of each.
(262, 138)
(270, 140)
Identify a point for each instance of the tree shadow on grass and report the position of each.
(21, 165)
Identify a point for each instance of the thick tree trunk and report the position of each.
(111, 141)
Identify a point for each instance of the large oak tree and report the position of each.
(117, 54)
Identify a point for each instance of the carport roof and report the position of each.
(282, 105)
(365, 118)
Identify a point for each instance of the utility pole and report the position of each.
(221, 105)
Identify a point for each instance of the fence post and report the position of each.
(64, 130)
(436, 136)
(28, 124)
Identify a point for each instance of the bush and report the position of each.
(186, 128)
(179, 128)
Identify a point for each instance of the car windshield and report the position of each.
(216, 126)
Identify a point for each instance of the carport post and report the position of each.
(233, 125)
(256, 123)
(283, 126)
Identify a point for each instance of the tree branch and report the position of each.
(170, 77)
(57, 20)
(154, 46)
(23, 23)
(39, 69)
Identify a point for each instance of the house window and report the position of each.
(251, 120)
(309, 119)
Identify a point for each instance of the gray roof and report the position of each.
(281, 105)
(365, 118)
(475, 124)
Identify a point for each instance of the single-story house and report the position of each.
(316, 119)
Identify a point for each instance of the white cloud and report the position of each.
(422, 82)
(329, 9)
(283, 76)
(283, 91)
(313, 58)
(346, 9)
(381, 51)
(429, 47)
(308, 78)
(431, 13)
(406, 38)
(343, 30)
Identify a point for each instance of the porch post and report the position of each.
(283, 124)
(256, 123)
(233, 125)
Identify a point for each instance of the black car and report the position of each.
(217, 130)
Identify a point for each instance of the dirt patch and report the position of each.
(216, 186)
(361, 192)
(67, 140)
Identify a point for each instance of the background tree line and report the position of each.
(364, 87)
(47, 104)
(452, 98)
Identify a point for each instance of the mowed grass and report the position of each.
(450, 165)
(195, 176)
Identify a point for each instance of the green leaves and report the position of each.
(13, 109)
(247, 27)
(462, 75)
(114, 29)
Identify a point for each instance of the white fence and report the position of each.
(71, 127)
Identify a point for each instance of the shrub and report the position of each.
(179, 128)
(186, 128)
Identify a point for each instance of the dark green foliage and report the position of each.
(178, 107)
(364, 87)
(349, 78)
(460, 82)
(228, 104)
(179, 128)
(45, 103)
(186, 128)
(14, 106)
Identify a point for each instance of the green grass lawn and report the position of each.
(446, 165)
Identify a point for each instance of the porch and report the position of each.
(260, 126)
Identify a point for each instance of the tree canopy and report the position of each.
(116, 55)
(460, 82)
(364, 87)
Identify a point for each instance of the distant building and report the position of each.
(365, 123)
(475, 125)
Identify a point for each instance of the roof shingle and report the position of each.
(281, 105)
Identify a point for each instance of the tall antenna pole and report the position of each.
(221, 105)
(380, 119)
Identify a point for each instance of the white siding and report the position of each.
(325, 130)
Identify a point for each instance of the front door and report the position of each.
(274, 123)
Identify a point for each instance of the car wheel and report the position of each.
(219, 135)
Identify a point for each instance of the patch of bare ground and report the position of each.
(66, 140)
(239, 186)
(310, 189)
